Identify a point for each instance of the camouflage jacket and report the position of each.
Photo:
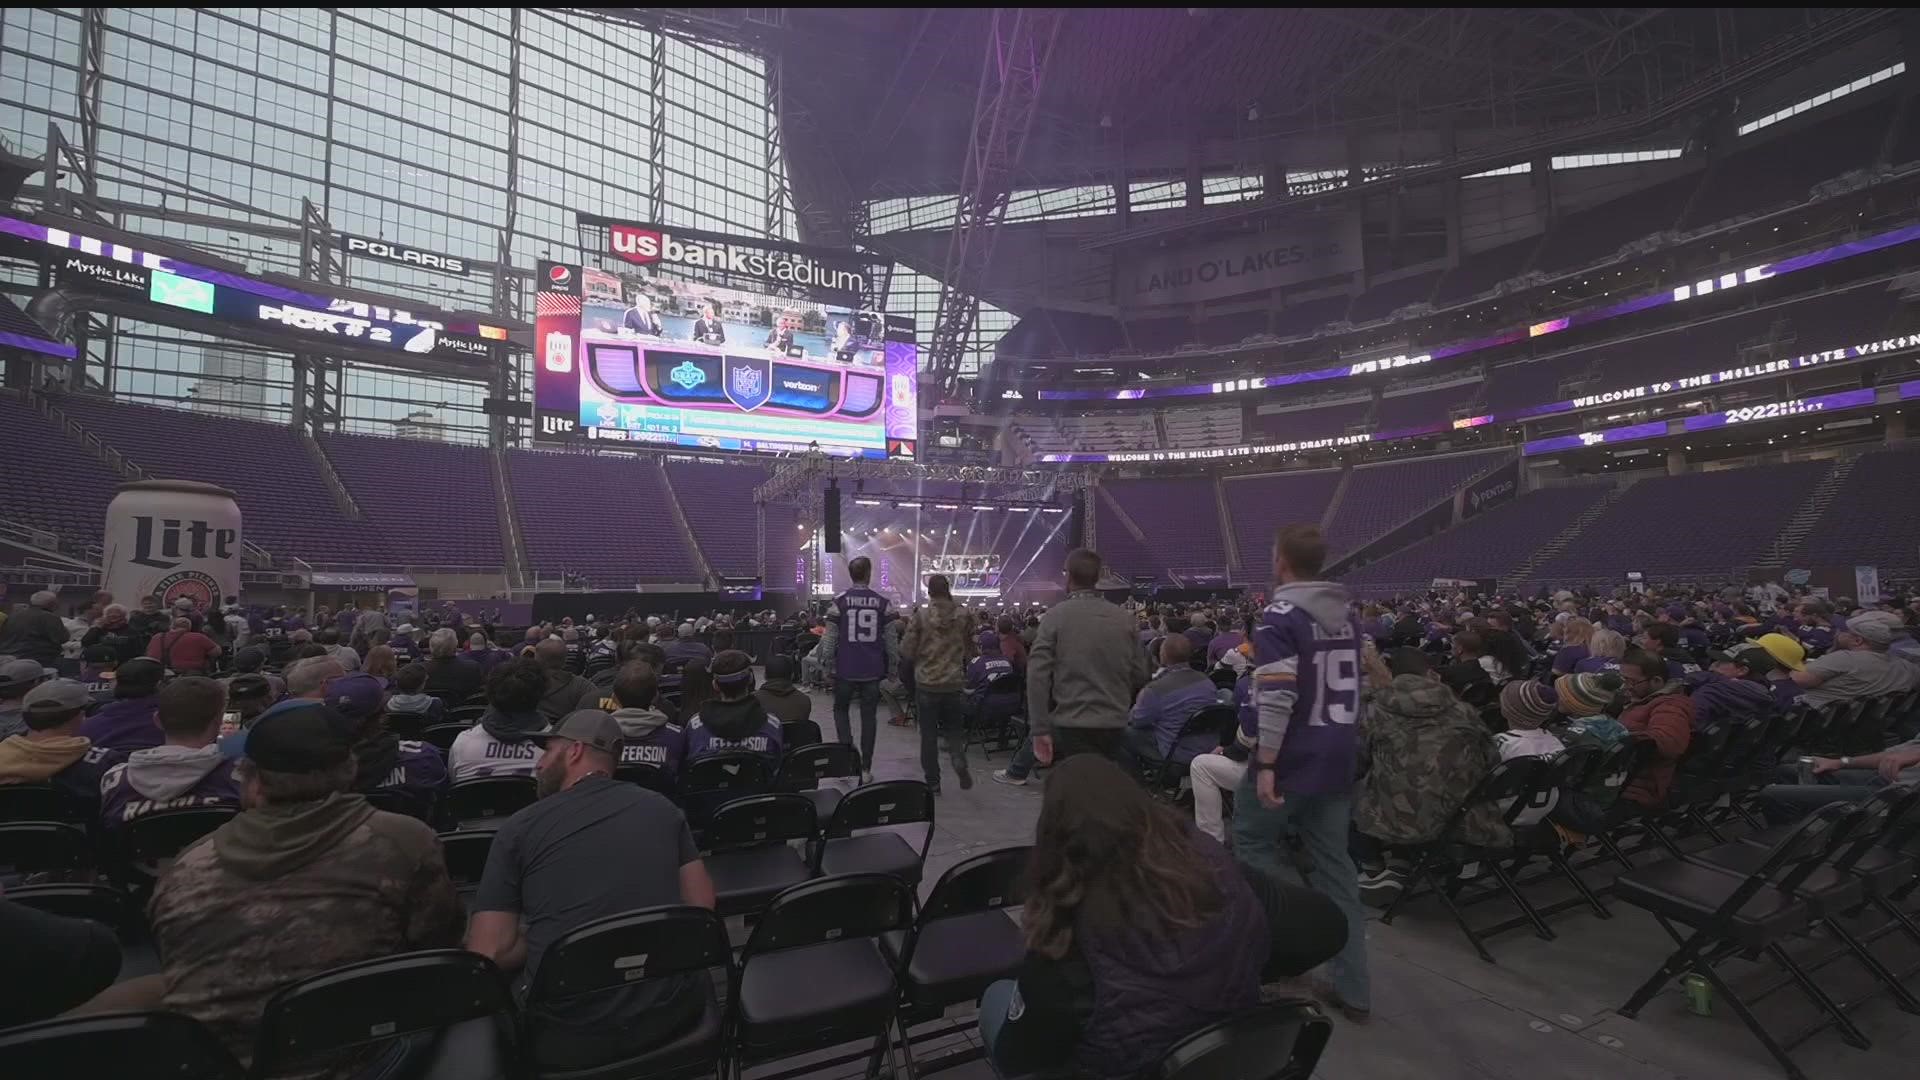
(936, 642)
(1421, 751)
(281, 893)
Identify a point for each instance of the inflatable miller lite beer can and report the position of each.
(172, 539)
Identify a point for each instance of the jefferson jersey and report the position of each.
(858, 620)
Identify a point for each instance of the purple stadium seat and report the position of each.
(1874, 519)
(1179, 517)
(1122, 554)
(1381, 497)
(434, 501)
(68, 495)
(602, 516)
(1321, 422)
(1491, 545)
(1260, 504)
(718, 502)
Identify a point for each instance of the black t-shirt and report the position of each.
(551, 863)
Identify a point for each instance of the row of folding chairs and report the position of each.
(834, 961)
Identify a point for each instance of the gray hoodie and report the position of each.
(639, 723)
(169, 772)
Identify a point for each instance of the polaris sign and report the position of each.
(740, 257)
(402, 254)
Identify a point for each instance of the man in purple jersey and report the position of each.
(856, 654)
(1307, 706)
(189, 769)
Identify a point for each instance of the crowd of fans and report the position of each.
(1356, 731)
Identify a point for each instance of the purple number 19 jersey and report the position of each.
(859, 619)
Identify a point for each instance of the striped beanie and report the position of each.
(1586, 694)
(1526, 704)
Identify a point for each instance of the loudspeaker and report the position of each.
(1077, 521)
(830, 515)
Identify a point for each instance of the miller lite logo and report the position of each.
(201, 541)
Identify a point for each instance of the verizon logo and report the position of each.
(647, 246)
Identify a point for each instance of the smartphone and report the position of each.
(230, 723)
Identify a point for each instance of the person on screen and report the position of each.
(640, 318)
(842, 347)
(781, 340)
(707, 329)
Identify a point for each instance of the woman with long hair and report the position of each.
(1575, 632)
(1140, 930)
(381, 662)
(1604, 649)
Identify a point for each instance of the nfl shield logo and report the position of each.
(749, 381)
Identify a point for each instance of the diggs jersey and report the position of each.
(1306, 688)
(859, 618)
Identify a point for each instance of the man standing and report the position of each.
(854, 654)
(936, 643)
(1307, 705)
(1085, 665)
(549, 873)
(33, 630)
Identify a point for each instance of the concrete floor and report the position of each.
(1544, 1011)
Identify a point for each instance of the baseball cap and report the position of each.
(405, 628)
(1407, 660)
(1877, 627)
(57, 695)
(249, 686)
(15, 674)
(297, 736)
(1785, 651)
(356, 696)
(593, 727)
(1753, 656)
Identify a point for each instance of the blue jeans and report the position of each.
(868, 691)
(1023, 760)
(1322, 822)
(1783, 804)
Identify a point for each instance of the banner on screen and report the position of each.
(627, 357)
(827, 275)
(1302, 250)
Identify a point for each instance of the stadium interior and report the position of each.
(711, 318)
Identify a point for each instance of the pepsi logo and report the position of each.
(559, 275)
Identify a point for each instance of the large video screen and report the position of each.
(633, 357)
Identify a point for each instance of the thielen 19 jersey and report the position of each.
(859, 619)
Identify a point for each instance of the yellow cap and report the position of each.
(1781, 647)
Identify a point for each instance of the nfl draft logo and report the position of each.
(688, 375)
(749, 382)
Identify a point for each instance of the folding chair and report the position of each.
(1280, 1041)
(401, 801)
(104, 904)
(467, 715)
(148, 843)
(44, 847)
(1001, 702)
(1750, 915)
(625, 950)
(443, 734)
(813, 975)
(962, 941)
(124, 1045)
(800, 733)
(804, 766)
(466, 856)
(1511, 785)
(41, 802)
(1163, 777)
(486, 802)
(652, 777)
(885, 803)
(752, 858)
(708, 783)
(1566, 771)
(376, 1001)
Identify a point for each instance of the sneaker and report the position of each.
(933, 789)
(866, 776)
(1324, 990)
(1382, 887)
(1002, 776)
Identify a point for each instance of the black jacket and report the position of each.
(33, 633)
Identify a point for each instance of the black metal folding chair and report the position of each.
(44, 847)
(105, 904)
(652, 777)
(806, 764)
(963, 941)
(466, 856)
(800, 733)
(376, 1001)
(666, 943)
(443, 734)
(41, 802)
(869, 810)
(486, 802)
(710, 782)
(1163, 776)
(1749, 915)
(1002, 703)
(123, 1045)
(752, 857)
(813, 975)
(1281, 1041)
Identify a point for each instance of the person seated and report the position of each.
(1858, 665)
(1812, 623)
(982, 670)
(1507, 655)
(1839, 779)
(733, 719)
(248, 696)
(1680, 616)
(1658, 708)
(330, 640)
(1788, 656)
(383, 760)
(1422, 751)
(52, 751)
(1011, 646)
(1662, 642)
(1575, 634)
(1140, 930)
(308, 676)
(1733, 689)
(451, 676)
(1527, 707)
(683, 649)
(405, 644)
(648, 737)
(127, 722)
(1171, 697)
(549, 873)
(783, 700)
(1221, 769)
(188, 769)
(410, 697)
(502, 743)
(306, 879)
(17, 677)
(566, 690)
(1604, 650)
(1470, 674)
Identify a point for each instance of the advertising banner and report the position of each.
(1866, 584)
(1502, 485)
(172, 539)
(1301, 250)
